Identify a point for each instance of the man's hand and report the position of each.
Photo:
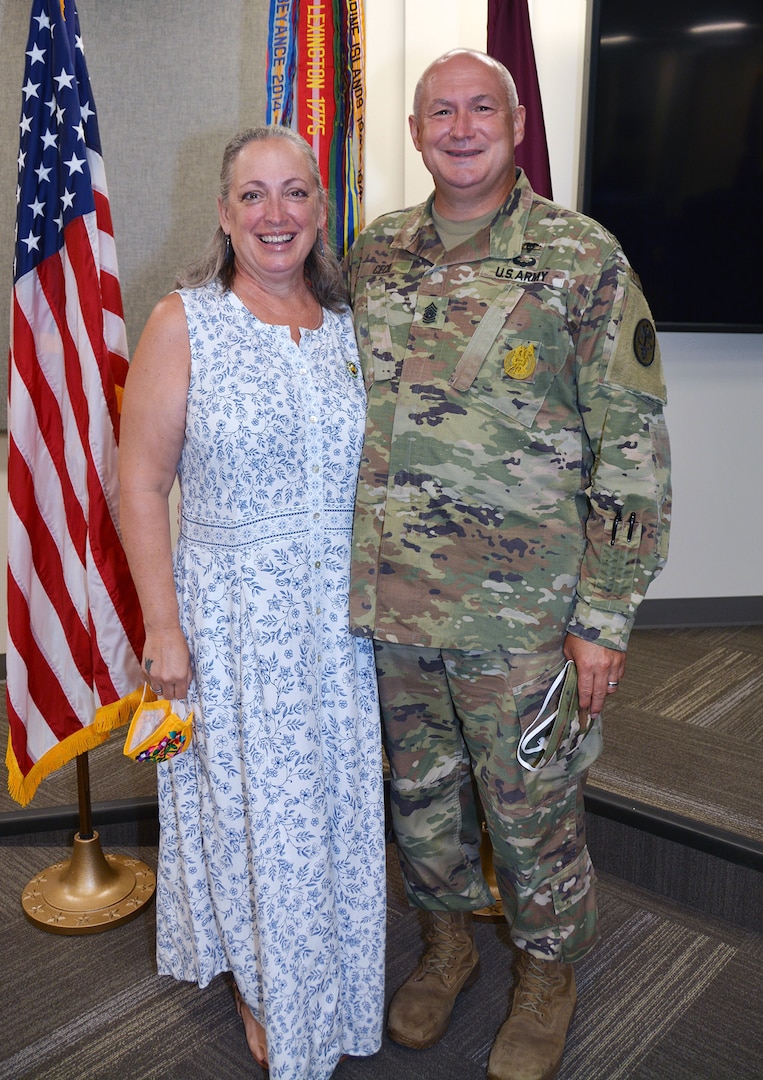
(599, 671)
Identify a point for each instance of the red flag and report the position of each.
(316, 85)
(509, 39)
(74, 625)
(316, 101)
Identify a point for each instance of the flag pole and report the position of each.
(89, 892)
(493, 912)
(74, 625)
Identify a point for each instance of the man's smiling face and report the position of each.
(466, 132)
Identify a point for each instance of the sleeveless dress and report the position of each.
(271, 856)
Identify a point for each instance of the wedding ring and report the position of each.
(158, 690)
(613, 684)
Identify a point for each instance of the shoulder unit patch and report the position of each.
(644, 342)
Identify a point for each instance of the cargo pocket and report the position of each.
(573, 894)
(511, 374)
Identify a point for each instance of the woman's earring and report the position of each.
(320, 242)
(228, 248)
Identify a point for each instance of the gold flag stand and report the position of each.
(493, 913)
(91, 891)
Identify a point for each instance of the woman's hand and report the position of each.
(167, 663)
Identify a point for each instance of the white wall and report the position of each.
(715, 382)
(403, 37)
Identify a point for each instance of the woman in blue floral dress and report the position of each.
(246, 385)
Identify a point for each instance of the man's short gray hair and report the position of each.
(503, 73)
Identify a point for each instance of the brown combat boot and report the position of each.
(531, 1042)
(419, 1013)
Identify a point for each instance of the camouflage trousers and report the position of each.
(451, 721)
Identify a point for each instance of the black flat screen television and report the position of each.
(673, 161)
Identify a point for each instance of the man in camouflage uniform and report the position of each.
(512, 509)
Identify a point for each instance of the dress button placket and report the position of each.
(315, 456)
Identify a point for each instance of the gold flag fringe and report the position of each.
(108, 717)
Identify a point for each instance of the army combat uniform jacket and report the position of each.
(515, 478)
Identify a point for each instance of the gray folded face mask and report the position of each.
(557, 726)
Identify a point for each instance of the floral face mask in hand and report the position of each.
(157, 730)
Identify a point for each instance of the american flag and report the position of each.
(74, 625)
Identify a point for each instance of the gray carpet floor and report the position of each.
(666, 995)
(684, 734)
(669, 993)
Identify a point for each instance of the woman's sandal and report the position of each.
(254, 1031)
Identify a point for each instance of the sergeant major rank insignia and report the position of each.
(433, 311)
(519, 363)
